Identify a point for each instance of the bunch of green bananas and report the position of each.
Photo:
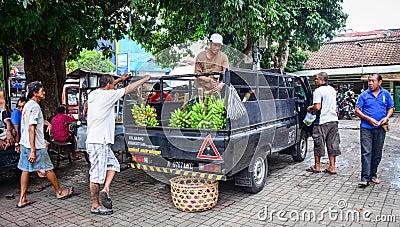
(214, 116)
(180, 119)
(206, 123)
(144, 115)
(197, 115)
(216, 113)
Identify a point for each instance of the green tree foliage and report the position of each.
(91, 60)
(301, 23)
(48, 32)
(296, 60)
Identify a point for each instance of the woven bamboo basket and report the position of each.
(191, 194)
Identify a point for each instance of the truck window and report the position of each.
(300, 93)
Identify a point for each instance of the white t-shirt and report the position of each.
(100, 116)
(32, 115)
(326, 95)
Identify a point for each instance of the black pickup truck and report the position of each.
(275, 105)
(9, 160)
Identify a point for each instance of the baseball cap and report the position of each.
(216, 38)
(34, 86)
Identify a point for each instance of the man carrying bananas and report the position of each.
(100, 136)
(211, 60)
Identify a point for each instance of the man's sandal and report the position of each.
(313, 170)
(375, 180)
(363, 184)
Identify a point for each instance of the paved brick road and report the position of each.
(139, 200)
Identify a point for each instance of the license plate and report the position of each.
(182, 165)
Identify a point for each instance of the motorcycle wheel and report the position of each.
(340, 115)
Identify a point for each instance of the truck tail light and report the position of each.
(140, 159)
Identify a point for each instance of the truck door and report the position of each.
(300, 96)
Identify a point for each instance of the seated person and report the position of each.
(60, 128)
(16, 117)
(6, 137)
(156, 96)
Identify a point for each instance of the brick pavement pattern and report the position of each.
(289, 197)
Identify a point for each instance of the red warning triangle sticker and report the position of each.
(203, 146)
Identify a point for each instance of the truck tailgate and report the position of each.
(176, 143)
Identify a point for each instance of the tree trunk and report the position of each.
(282, 55)
(6, 72)
(59, 56)
(41, 65)
(246, 51)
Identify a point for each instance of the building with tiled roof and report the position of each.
(379, 50)
(350, 58)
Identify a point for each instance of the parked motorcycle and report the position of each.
(346, 103)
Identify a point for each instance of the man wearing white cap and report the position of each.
(211, 60)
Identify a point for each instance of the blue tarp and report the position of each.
(17, 85)
(140, 60)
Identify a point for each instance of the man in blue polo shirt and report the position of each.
(374, 107)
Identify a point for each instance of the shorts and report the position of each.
(327, 135)
(101, 159)
(43, 161)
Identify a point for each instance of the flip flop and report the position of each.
(329, 171)
(363, 184)
(105, 199)
(102, 211)
(69, 194)
(29, 202)
(375, 180)
(41, 173)
(312, 170)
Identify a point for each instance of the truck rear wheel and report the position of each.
(257, 171)
(301, 148)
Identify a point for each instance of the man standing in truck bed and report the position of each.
(100, 136)
(211, 60)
